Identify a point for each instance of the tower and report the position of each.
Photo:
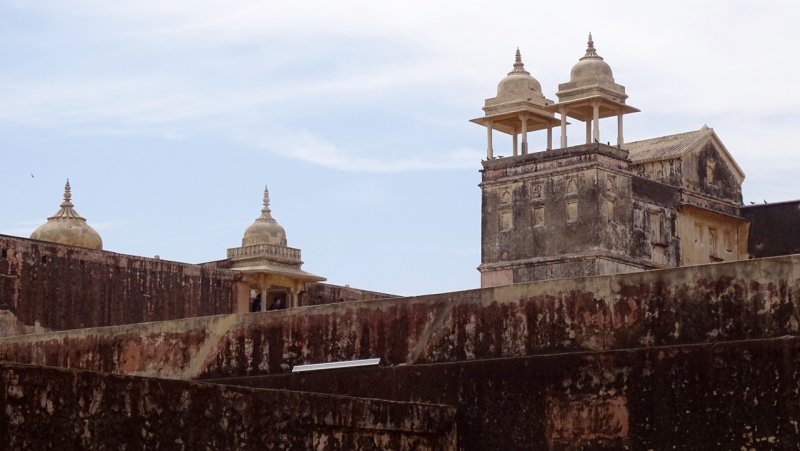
(562, 212)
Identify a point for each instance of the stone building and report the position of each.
(594, 208)
(556, 351)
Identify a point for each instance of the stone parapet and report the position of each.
(268, 251)
(553, 156)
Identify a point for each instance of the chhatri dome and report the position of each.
(68, 227)
(519, 108)
(519, 84)
(265, 229)
(591, 69)
(591, 94)
(591, 76)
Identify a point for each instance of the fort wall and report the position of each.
(62, 287)
(709, 396)
(710, 303)
(47, 408)
(47, 286)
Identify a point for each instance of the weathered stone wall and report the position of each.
(64, 287)
(567, 212)
(726, 301)
(325, 293)
(47, 408)
(661, 171)
(553, 205)
(774, 228)
(708, 172)
(713, 396)
(652, 229)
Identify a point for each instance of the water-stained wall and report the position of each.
(572, 212)
(47, 408)
(711, 396)
(725, 301)
(64, 287)
(701, 358)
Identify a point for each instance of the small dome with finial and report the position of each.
(591, 69)
(265, 229)
(519, 84)
(68, 227)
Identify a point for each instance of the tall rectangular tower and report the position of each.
(557, 214)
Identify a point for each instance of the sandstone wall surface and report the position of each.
(703, 304)
(47, 408)
(712, 396)
(63, 287)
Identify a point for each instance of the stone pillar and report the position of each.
(620, 140)
(596, 122)
(241, 292)
(293, 301)
(563, 128)
(549, 137)
(264, 297)
(489, 150)
(588, 132)
(524, 120)
(515, 144)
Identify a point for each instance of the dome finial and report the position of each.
(67, 194)
(266, 200)
(265, 229)
(590, 50)
(519, 67)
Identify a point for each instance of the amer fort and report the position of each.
(628, 299)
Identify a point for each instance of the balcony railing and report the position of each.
(265, 250)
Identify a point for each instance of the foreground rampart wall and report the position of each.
(711, 396)
(703, 304)
(47, 408)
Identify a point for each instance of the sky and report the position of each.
(169, 118)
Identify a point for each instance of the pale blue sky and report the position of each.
(169, 117)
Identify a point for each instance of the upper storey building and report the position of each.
(593, 208)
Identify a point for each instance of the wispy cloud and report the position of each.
(306, 146)
(188, 65)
